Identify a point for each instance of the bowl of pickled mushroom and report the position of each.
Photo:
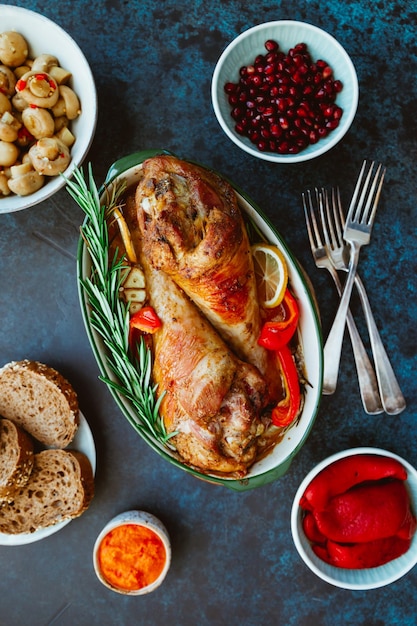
(184, 363)
(48, 108)
(353, 518)
(285, 91)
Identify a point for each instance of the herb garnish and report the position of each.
(109, 315)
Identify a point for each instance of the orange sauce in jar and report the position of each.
(131, 557)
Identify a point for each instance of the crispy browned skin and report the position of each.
(192, 229)
(212, 399)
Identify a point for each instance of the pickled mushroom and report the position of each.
(5, 104)
(44, 63)
(39, 122)
(4, 187)
(49, 156)
(9, 127)
(24, 180)
(13, 48)
(7, 81)
(72, 103)
(38, 89)
(9, 153)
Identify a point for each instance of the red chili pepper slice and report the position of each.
(275, 334)
(145, 320)
(345, 474)
(21, 85)
(287, 410)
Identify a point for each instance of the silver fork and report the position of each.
(392, 398)
(357, 233)
(366, 375)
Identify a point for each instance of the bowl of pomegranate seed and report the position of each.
(285, 91)
(353, 518)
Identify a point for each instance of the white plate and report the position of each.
(45, 36)
(359, 579)
(83, 442)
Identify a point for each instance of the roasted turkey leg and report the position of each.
(192, 229)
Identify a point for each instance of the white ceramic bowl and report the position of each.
(44, 36)
(139, 518)
(275, 464)
(243, 50)
(360, 579)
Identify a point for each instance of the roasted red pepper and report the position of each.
(345, 474)
(363, 555)
(311, 531)
(287, 410)
(275, 334)
(365, 513)
(357, 512)
(145, 320)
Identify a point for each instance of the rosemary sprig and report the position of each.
(109, 316)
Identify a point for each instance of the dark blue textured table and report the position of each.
(234, 562)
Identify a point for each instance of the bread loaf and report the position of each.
(16, 459)
(60, 487)
(40, 400)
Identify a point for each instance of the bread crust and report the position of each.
(61, 487)
(16, 460)
(40, 400)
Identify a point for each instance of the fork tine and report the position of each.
(363, 196)
(339, 219)
(353, 204)
(377, 195)
(312, 227)
(338, 202)
(366, 215)
(325, 216)
(328, 222)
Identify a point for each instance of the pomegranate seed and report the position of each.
(327, 72)
(285, 102)
(230, 87)
(271, 45)
(332, 124)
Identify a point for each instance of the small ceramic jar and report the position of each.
(132, 554)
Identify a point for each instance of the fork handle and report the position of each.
(333, 345)
(392, 398)
(368, 385)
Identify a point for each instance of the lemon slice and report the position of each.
(271, 274)
(126, 237)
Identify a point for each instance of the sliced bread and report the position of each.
(61, 487)
(40, 400)
(16, 459)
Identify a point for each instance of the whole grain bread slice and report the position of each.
(40, 400)
(61, 487)
(16, 459)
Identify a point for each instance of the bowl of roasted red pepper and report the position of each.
(353, 518)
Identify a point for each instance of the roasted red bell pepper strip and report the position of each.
(409, 526)
(321, 551)
(365, 555)
(275, 334)
(287, 410)
(345, 474)
(145, 320)
(311, 531)
(368, 512)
